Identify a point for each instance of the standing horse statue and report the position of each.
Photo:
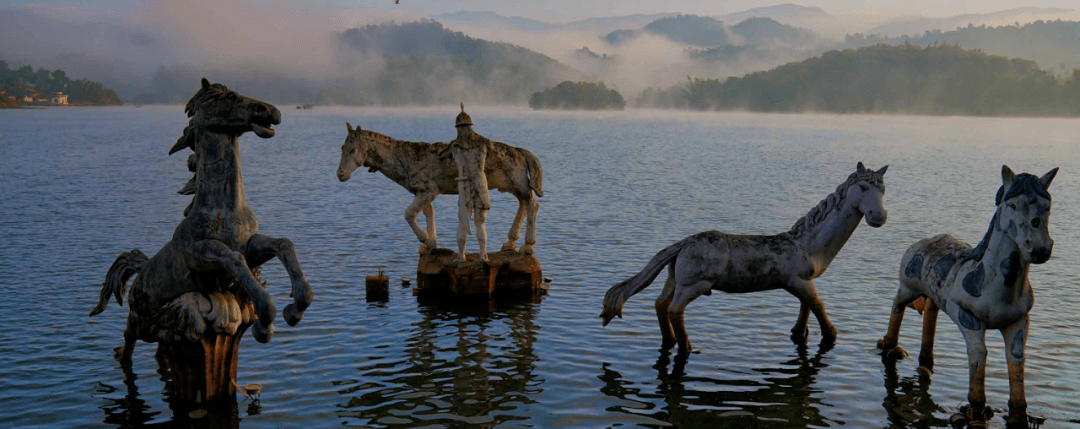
(980, 288)
(198, 294)
(790, 261)
(418, 167)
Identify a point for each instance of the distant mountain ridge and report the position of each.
(491, 18)
(914, 26)
(600, 25)
(1051, 44)
(416, 63)
(937, 80)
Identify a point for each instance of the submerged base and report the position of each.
(204, 370)
(440, 271)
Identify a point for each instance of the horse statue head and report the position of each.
(865, 190)
(353, 153)
(1024, 211)
(359, 146)
(221, 110)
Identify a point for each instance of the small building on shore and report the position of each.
(59, 99)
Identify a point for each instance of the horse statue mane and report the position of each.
(834, 200)
(202, 97)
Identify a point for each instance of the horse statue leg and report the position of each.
(261, 248)
(889, 345)
(515, 227)
(976, 411)
(422, 201)
(530, 224)
(684, 294)
(213, 254)
(429, 216)
(929, 330)
(663, 302)
(1015, 336)
(807, 294)
(800, 332)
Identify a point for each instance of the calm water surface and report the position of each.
(81, 185)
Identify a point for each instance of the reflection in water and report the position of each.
(908, 402)
(465, 364)
(132, 411)
(782, 397)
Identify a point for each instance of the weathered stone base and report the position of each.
(203, 371)
(441, 272)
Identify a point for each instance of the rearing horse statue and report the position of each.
(189, 288)
(790, 261)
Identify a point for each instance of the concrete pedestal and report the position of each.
(441, 272)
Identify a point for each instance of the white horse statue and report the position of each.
(418, 168)
(980, 288)
(751, 263)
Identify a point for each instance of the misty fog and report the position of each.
(292, 52)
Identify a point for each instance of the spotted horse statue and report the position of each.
(198, 295)
(980, 288)
(713, 260)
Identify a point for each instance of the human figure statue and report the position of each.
(470, 150)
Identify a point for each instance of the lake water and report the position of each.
(81, 185)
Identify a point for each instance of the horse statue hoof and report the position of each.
(292, 315)
(424, 249)
(958, 421)
(527, 249)
(262, 334)
(508, 247)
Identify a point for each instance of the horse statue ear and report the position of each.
(860, 168)
(881, 172)
(348, 125)
(1048, 177)
(205, 84)
(1007, 176)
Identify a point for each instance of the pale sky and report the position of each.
(561, 11)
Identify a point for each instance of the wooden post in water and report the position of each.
(377, 286)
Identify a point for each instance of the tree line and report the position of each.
(41, 83)
(416, 63)
(578, 95)
(883, 78)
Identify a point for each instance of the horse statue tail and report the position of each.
(125, 265)
(536, 174)
(618, 294)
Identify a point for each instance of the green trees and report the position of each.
(26, 82)
(936, 80)
(577, 95)
(1054, 45)
(425, 63)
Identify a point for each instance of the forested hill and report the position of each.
(418, 63)
(26, 82)
(1054, 45)
(935, 80)
(425, 63)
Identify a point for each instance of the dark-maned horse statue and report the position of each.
(198, 294)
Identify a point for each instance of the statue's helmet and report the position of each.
(463, 119)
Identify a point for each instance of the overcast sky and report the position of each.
(559, 11)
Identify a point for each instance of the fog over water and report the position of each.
(290, 44)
